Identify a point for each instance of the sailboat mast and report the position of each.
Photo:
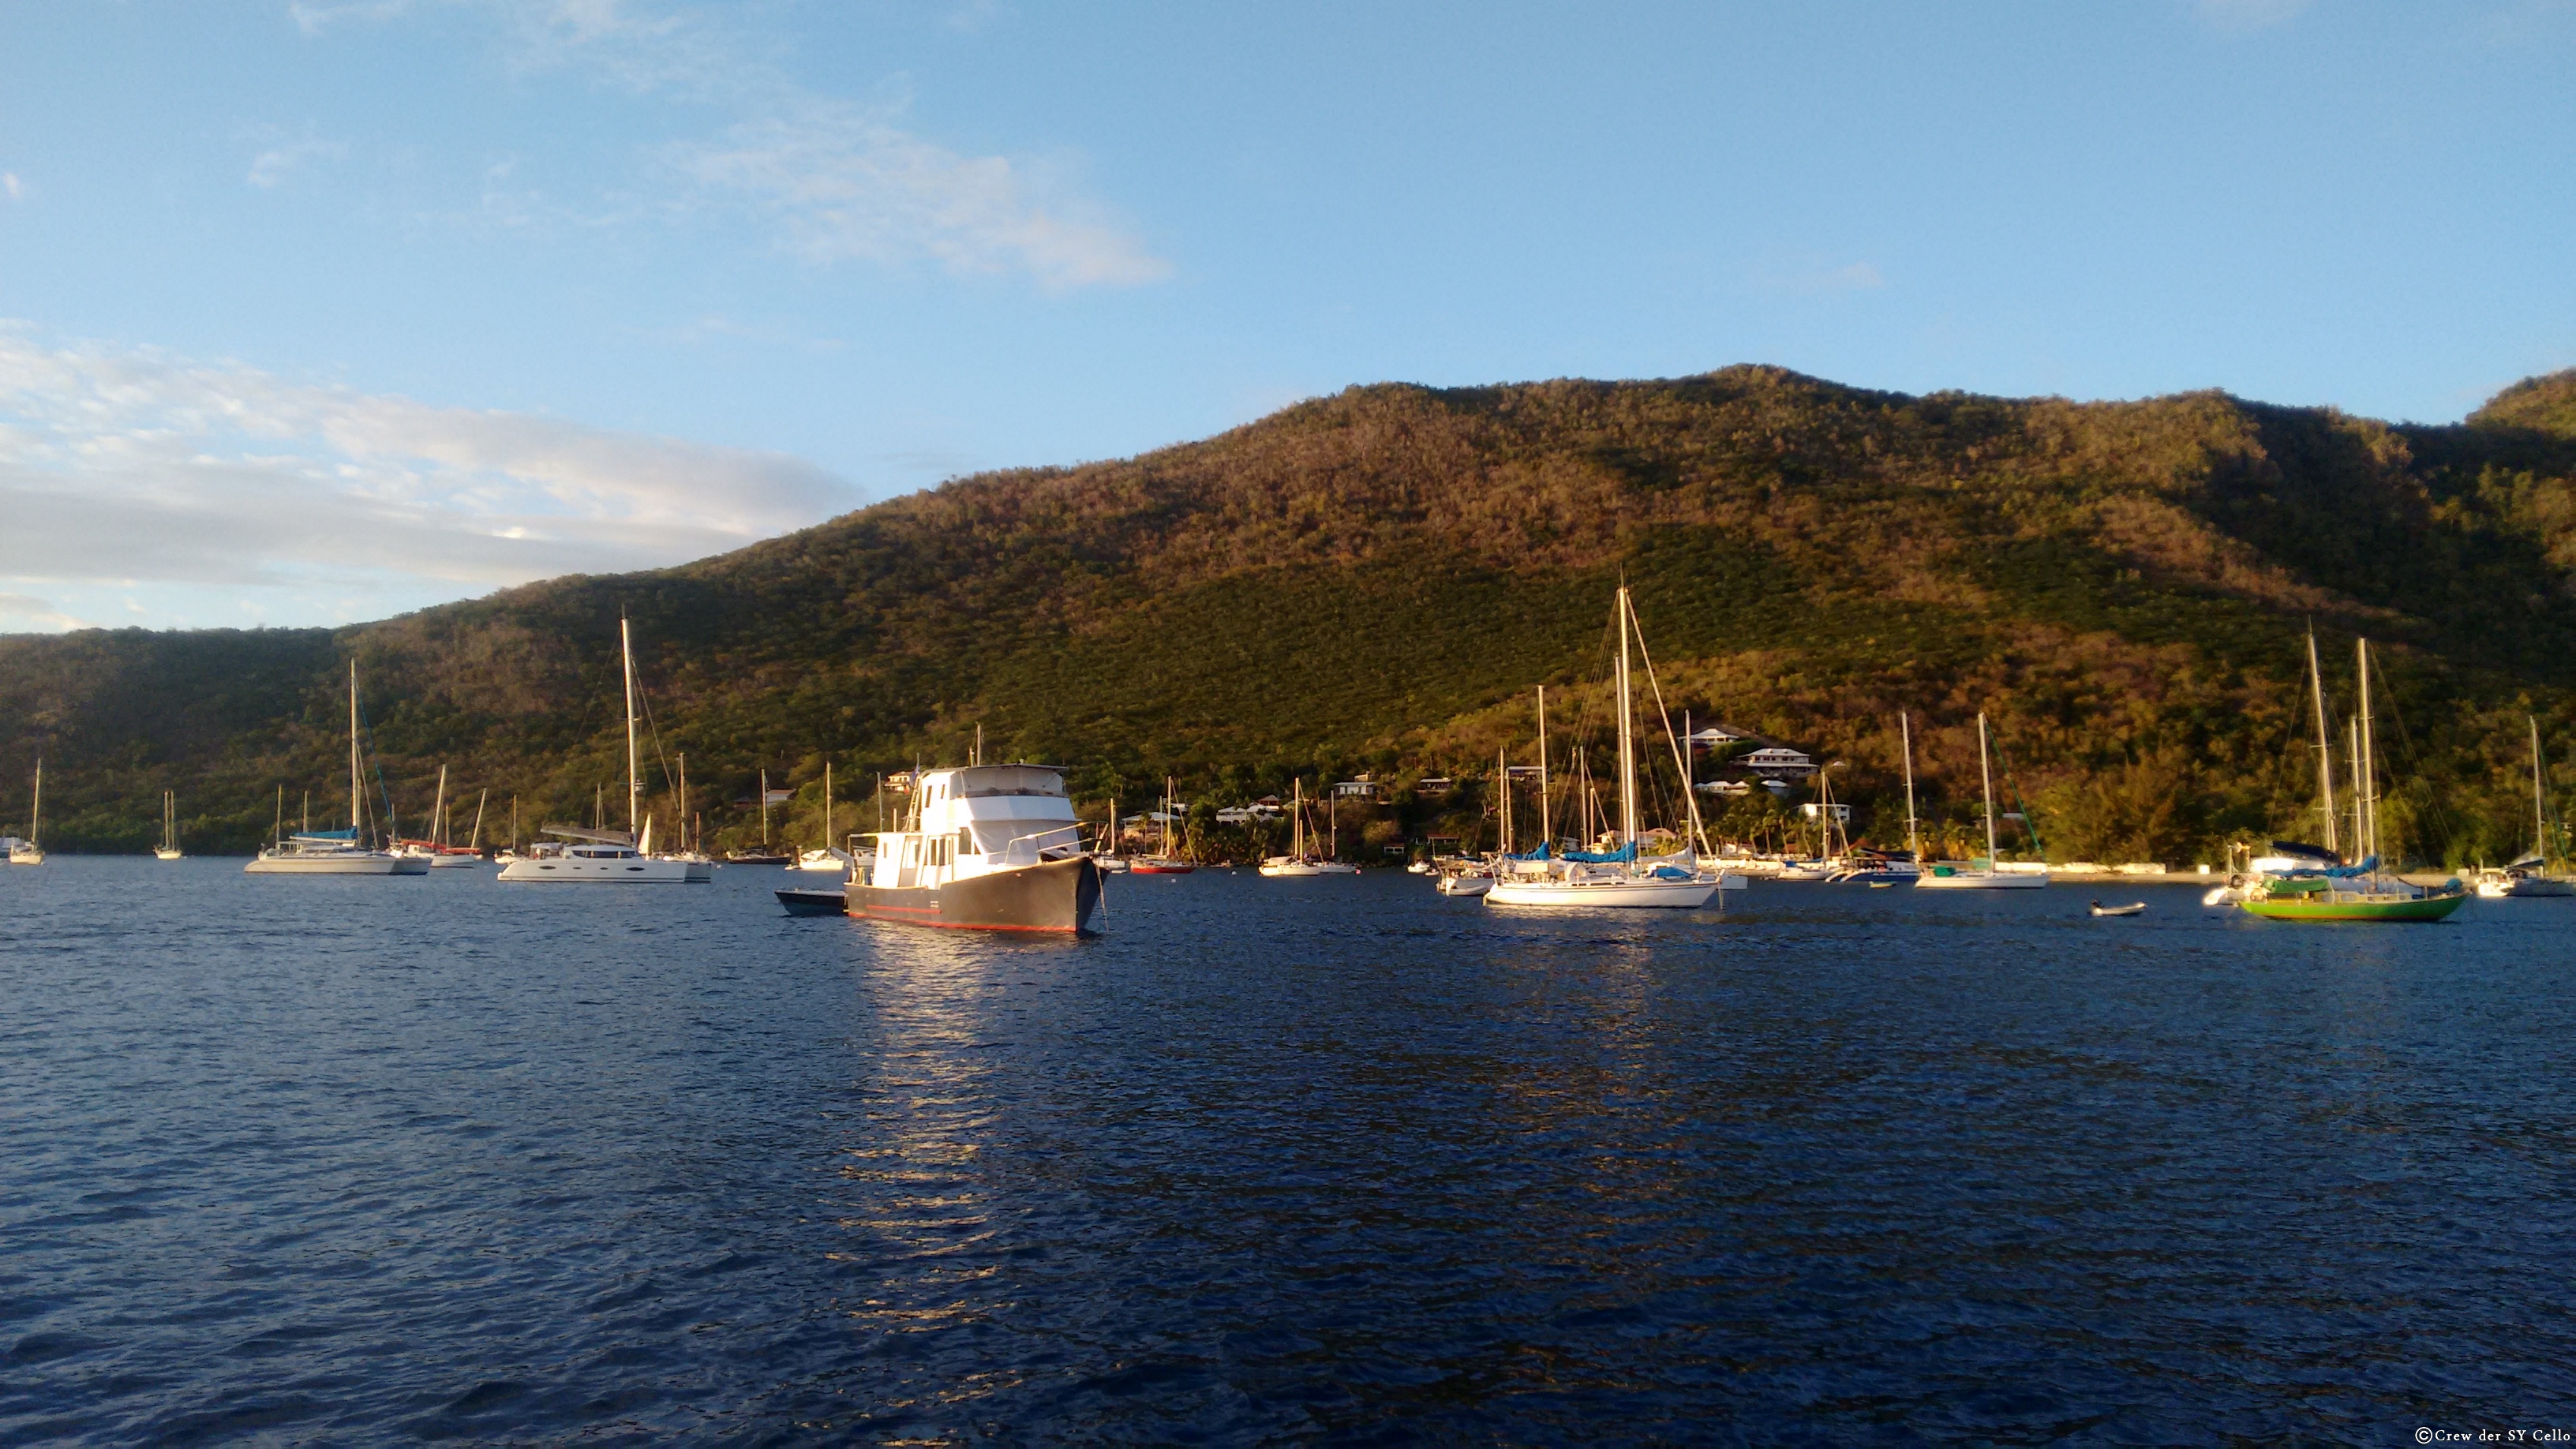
(1503, 777)
(1905, 731)
(764, 808)
(2369, 769)
(2352, 765)
(36, 810)
(1986, 773)
(355, 824)
(1546, 823)
(438, 810)
(634, 782)
(1627, 736)
(2539, 822)
(2325, 745)
(827, 801)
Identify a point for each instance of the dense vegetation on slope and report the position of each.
(1374, 580)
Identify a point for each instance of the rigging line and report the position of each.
(1667, 715)
(2431, 812)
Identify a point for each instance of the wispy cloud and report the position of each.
(2247, 14)
(273, 164)
(842, 182)
(135, 464)
(849, 185)
(1810, 278)
(15, 189)
(21, 612)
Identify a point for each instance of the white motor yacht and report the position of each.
(989, 848)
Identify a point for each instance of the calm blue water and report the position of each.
(351, 1161)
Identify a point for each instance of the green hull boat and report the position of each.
(2353, 906)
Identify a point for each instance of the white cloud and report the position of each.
(134, 464)
(272, 165)
(24, 610)
(9, 183)
(849, 185)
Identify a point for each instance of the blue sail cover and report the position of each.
(1621, 856)
(1538, 854)
(325, 835)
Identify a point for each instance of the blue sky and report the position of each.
(320, 311)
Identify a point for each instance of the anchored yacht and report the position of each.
(990, 847)
(613, 857)
(336, 852)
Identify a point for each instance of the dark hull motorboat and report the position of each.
(1055, 895)
(814, 902)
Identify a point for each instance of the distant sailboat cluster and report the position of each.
(1000, 846)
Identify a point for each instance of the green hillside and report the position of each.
(1375, 580)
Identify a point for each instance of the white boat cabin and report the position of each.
(975, 821)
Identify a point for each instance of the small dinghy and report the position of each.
(2137, 908)
(814, 903)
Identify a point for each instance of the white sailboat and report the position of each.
(827, 856)
(613, 857)
(1619, 879)
(168, 849)
(1985, 874)
(28, 851)
(2529, 876)
(338, 852)
(1299, 861)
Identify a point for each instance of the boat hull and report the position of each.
(2413, 908)
(608, 870)
(1161, 867)
(1979, 880)
(1052, 896)
(814, 903)
(353, 864)
(1465, 885)
(1276, 868)
(1675, 895)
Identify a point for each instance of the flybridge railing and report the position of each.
(1012, 853)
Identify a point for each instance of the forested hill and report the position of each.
(1374, 581)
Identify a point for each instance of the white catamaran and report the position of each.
(613, 857)
(338, 852)
(1619, 878)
